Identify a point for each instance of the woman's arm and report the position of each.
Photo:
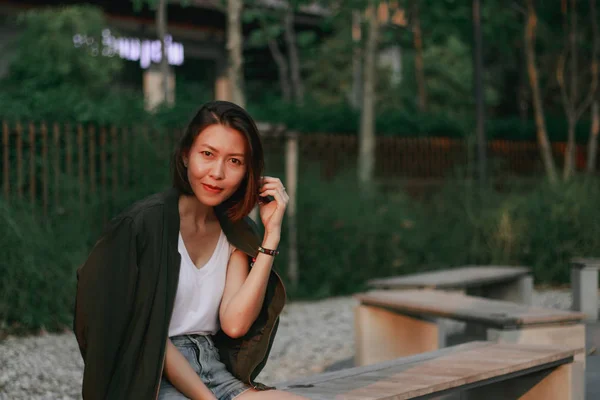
(244, 289)
(183, 377)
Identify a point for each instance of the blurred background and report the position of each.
(415, 134)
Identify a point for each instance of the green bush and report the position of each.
(346, 238)
(37, 269)
(345, 234)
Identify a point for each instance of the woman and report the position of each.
(178, 298)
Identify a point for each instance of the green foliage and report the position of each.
(40, 254)
(449, 72)
(46, 57)
(347, 239)
(345, 236)
(50, 78)
(139, 4)
(37, 269)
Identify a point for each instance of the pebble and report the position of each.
(311, 336)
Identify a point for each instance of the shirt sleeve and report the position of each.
(106, 285)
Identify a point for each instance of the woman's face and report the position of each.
(216, 164)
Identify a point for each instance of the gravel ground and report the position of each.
(311, 336)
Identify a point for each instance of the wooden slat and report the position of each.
(92, 159)
(69, 151)
(80, 165)
(412, 360)
(126, 152)
(44, 132)
(5, 164)
(114, 160)
(32, 155)
(19, 130)
(452, 278)
(103, 171)
(425, 374)
(56, 163)
(496, 313)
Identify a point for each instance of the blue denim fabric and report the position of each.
(202, 355)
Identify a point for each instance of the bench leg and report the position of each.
(572, 336)
(564, 382)
(382, 335)
(584, 287)
(517, 291)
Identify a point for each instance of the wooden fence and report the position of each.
(100, 161)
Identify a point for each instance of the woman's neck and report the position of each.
(194, 212)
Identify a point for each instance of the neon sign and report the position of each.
(133, 49)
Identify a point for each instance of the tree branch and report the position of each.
(594, 64)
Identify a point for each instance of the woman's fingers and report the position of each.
(276, 186)
(279, 195)
(266, 179)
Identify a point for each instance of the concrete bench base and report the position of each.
(584, 286)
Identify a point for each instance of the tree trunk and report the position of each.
(569, 167)
(542, 135)
(593, 141)
(292, 46)
(478, 91)
(366, 159)
(595, 128)
(235, 69)
(419, 66)
(282, 65)
(161, 30)
(356, 95)
(282, 69)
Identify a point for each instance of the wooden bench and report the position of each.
(391, 324)
(495, 282)
(472, 371)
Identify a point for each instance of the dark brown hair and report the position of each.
(233, 116)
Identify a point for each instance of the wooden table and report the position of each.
(391, 324)
(477, 370)
(495, 282)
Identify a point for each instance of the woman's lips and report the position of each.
(212, 189)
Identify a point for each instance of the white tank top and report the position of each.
(199, 291)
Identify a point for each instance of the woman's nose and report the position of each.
(217, 170)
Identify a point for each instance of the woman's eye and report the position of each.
(206, 153)
(236, 161)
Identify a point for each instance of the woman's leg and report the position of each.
(252, 394)
(182, 375)
(168, 391)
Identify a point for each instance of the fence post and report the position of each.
(19, 130)
(126, 154)
(56, 162)
(44, 131)
(92, 160)
(103, 172)
(80, 165)
(6, 174)
(114, 159)
(291, 178)
(32, 164)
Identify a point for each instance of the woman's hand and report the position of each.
(271, 213)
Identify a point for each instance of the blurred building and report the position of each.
(196, 41)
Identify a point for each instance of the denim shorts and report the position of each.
(203, 356)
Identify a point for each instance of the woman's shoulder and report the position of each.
(150, 208)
